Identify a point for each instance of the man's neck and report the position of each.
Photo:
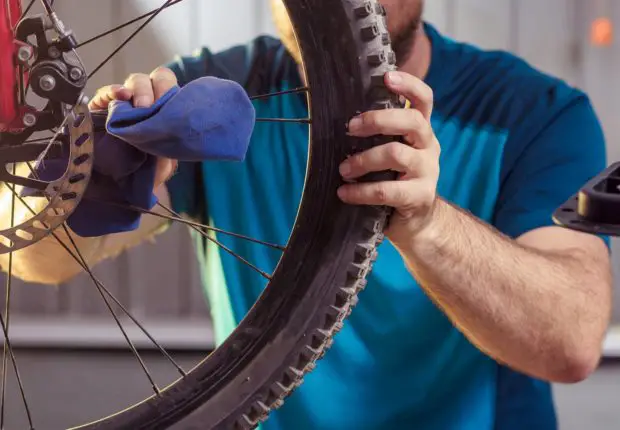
(419, 60)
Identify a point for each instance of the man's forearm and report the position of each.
(543, 313)
(45, 261)
(53, 260)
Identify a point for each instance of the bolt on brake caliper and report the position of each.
(52, 70)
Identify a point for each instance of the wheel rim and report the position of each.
(259, 327)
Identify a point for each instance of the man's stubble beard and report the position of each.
(402, 43)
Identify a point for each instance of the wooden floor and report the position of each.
(66, 388)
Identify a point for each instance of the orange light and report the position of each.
(602, 32)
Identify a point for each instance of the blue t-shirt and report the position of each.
(516, 144)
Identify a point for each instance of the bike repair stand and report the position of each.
(595, 209)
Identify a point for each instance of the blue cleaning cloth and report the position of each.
(207, 119)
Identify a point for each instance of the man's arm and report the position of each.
(537, 297)
(540, 304)
(47, 261)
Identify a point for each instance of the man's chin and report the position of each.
(404, 41)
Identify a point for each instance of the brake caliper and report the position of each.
(49, 67)
(38, 53)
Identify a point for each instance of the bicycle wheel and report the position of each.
(346, 52)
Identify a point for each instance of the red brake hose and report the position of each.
(9, 17)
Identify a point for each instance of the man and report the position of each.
(477, 299)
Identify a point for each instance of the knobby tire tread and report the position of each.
(370, 23)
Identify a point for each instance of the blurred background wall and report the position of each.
(159, 282)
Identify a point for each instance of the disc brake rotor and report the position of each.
(63, 194)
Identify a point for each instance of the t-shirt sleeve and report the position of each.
(190, 67)
(558, 160)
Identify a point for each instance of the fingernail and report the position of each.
(341, 193)
(119, 90)
(142, 102)
(395, 78)
(355, 124)
(345, 168)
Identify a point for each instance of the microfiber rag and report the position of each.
(207, 119)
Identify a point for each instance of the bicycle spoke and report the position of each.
(120, 27)
(178, 218)
(118, 322)
(134, 34)
(51, 142)
(9, 278)
(198, 227)
(221, 245)
(293, 120)
(43, 139)
(82, 262)
(17, 375)
(25, 12)
(39, 140)
(100, 290)
(5, 330)
(182, 220)
(280, 93)
(47, 7)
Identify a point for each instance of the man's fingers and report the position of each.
(163, 80)
(394, 122)
(388, 193)
(142, 89)
(413, 89)
(166, 167)
(394, 156)
(105, 95)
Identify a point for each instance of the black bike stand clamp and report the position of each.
(596, 207)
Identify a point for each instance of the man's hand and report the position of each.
(413, 195)
(143, 90)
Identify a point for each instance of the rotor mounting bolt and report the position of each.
(24, 53)
(47, 83)
(83, 100)
(29, 119)
(76, 74)
(53, 52)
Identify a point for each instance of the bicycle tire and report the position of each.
(346, 50)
